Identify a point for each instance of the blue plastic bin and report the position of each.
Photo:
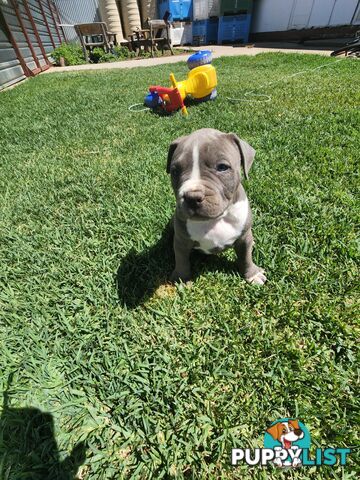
(234, 28)
(179, 9)
(235, 7)
(205, 31)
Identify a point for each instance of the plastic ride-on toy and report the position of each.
(200, 85)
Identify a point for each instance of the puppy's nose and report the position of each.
(298, 432)
(194, 198)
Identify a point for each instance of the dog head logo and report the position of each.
(286, 432)
(287, 445)
(288, 437)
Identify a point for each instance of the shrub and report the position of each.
(98, 55)
(123, 52)
(72, 54)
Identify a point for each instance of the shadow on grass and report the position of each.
(188, 102)
(140, 274)
(28, 449)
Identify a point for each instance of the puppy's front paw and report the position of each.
(256, 278)
(179, 276)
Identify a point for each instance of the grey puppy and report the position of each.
(212, 209)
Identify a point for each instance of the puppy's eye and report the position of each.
(175, 170)
(222, 167)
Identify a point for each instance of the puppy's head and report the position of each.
(205, 171)
(286, 432)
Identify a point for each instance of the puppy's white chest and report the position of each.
(221, 232)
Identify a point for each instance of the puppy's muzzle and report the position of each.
(193, 199)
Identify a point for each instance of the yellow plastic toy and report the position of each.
(200, 84)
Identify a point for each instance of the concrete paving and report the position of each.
(217, 51)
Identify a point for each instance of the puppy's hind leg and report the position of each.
(243, 248)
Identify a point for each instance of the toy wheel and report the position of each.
(212, 96)
(202, 57)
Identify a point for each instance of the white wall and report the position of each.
(281, 15)
(271, 15)
(343, 12)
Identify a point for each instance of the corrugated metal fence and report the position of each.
(29, 31)
(81, 11)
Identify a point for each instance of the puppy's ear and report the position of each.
(295, 424)
(247, 153)
(274, 431)
(173, 146)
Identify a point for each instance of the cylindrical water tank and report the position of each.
(148, 9)
(111, 15)
(124, 18)
(133, 13)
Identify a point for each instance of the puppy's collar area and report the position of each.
(221, 232)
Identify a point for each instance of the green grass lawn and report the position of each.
(149, 381)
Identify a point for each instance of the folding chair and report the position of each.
(157, 27)
(94, 35)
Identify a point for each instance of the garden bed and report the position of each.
(69, 54)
